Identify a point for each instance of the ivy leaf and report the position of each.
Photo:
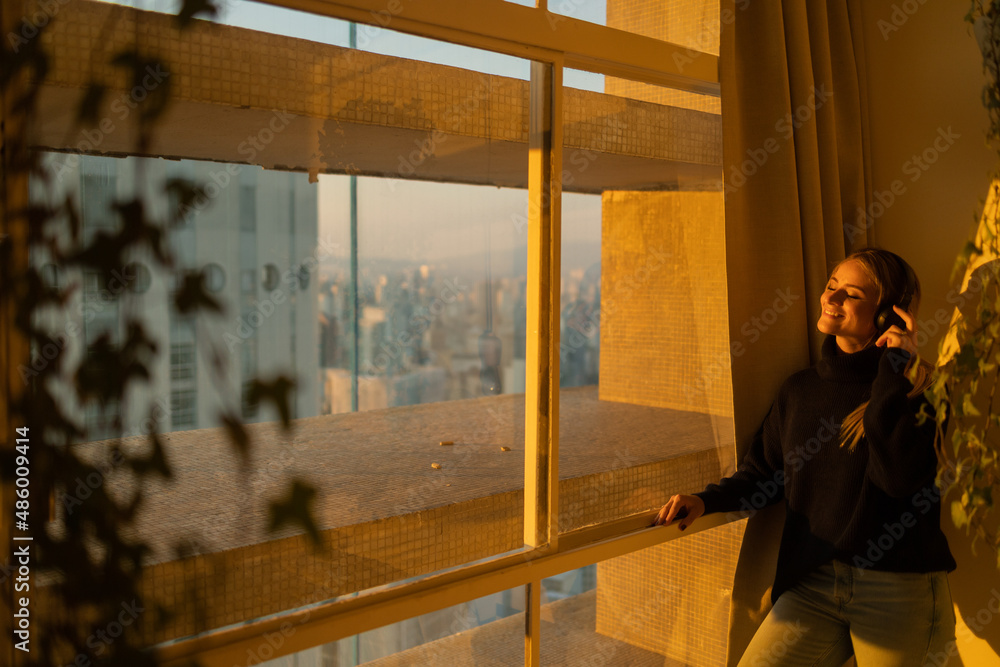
(968, 409)
(958, 515)
(183, 195)
(967, 358)
(922, 414)
(193, 295)
(238, 434)
(156, 461)
(278, 393)
(295, 509)
(192, 8)
(90, 105)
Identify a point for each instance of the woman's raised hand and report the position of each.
(896, 337)
(685, 508)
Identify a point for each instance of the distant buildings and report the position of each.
(253, 237)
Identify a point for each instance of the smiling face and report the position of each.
(848, 306)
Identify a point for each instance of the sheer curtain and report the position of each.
(798, 189)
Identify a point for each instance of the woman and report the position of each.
(862, 564)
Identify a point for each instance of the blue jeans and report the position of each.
(886, 619)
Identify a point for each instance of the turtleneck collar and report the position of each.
(839, 366)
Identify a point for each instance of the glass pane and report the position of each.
(370, 38)
(485, 631)
(592, 11)
(573, 625)
(667, 604)
(397, 354)
(693, 24)
(643, 338)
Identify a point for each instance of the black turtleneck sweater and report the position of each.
(875, 507)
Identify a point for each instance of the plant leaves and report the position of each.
(958, 515)
(90, 106)
(277, 392)
(192, 8)
(237, 433)
(194, 296)
(296, 509)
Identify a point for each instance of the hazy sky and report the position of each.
(432, 221)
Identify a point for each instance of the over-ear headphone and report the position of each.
(886, 316)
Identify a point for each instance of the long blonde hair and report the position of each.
(887, 271)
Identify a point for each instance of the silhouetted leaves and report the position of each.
(184, 195)
(277, 392)
(90, 106)
(237, 433)
(150, 82)
(107, 368)
(296, 509)
(156, 462)
(193, 296)
(192, 8)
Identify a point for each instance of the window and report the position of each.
(182, 361)
(397, 278)
(183, 407)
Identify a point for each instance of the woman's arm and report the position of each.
(901, 455)
(758, 482)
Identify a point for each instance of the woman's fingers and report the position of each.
(907, 318)
(684, 508)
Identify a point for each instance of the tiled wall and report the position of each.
(664, 325)
(673, 599)
(693, 24)
(243, 68)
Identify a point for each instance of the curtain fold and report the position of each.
(796, 183)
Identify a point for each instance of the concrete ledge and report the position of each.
(286, 103)
(384, 512)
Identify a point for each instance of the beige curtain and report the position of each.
(797, 182)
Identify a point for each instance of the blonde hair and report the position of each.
(887, 271)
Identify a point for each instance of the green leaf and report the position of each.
(967, 406)
(967, 358)
(958, 515)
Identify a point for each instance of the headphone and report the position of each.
(886, 316)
